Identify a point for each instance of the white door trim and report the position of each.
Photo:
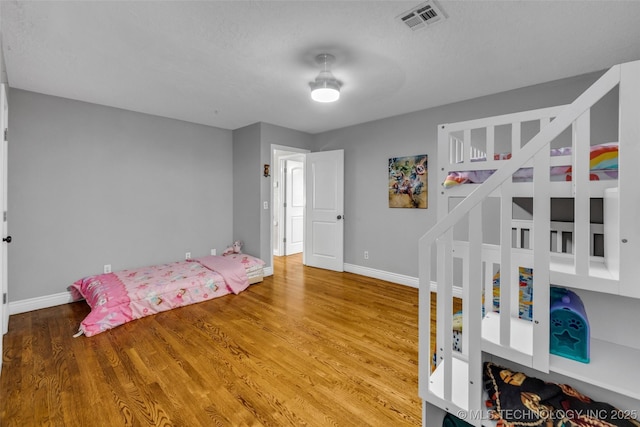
(275, 163)
(4, 287)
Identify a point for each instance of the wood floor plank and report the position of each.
(306, 347)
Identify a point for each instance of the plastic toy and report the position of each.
(569, 326)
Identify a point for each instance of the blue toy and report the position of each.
(569, 327)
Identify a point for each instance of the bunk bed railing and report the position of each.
(519, 158)
(463, 393)
(463, 154)
(459, 151)
(561, 235)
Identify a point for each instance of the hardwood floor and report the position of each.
(304, 347)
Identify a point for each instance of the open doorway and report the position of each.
(320, 178)
(287, 200)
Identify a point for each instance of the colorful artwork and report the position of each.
(408, 182)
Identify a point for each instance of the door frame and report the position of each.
(4, 285)
(275, 161)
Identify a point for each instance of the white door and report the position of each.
(294, 207)
(323, 243)
(4, 116)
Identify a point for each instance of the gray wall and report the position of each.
(247, 172)
(274, 135)
(251, 151)
(92, 185)
(391, 235)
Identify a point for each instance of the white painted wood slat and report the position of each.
(581, 137)
(541, 225)
(506, 276)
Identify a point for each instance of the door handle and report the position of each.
(339, 216)
(7, 239)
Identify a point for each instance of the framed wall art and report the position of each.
(408, 182)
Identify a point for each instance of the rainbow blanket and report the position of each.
(603, 164)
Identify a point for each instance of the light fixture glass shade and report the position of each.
(325, 94)
(325, 88)
(325, 91)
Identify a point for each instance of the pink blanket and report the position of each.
(234, 273)
(119, 297)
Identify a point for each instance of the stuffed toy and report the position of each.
(236, 248)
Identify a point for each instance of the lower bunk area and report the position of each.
(514, 397)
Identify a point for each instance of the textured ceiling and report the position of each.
(233, 63)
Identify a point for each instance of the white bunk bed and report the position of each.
(461, 253)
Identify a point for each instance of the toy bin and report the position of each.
(569, 326)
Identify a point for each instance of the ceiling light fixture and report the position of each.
(325, 88)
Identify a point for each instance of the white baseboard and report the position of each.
(268, 271)
(37, 303)
(400, 279)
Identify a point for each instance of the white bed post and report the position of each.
(629, 176)
(581, 230)
(506, 276)
(541, 237)
(472, 311)
(445, 157)
(444, 307)
(424, 319)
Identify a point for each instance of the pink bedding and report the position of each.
(249, 262)
(233, 271)
(117, 298)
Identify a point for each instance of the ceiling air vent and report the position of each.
(423, 15)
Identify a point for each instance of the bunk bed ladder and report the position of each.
(454, 381)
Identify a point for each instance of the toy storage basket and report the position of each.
(569, 327)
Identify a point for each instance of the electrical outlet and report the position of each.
(366, 254)
(213, 251)
(187, 255)
(107, 268)
(265, 205)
